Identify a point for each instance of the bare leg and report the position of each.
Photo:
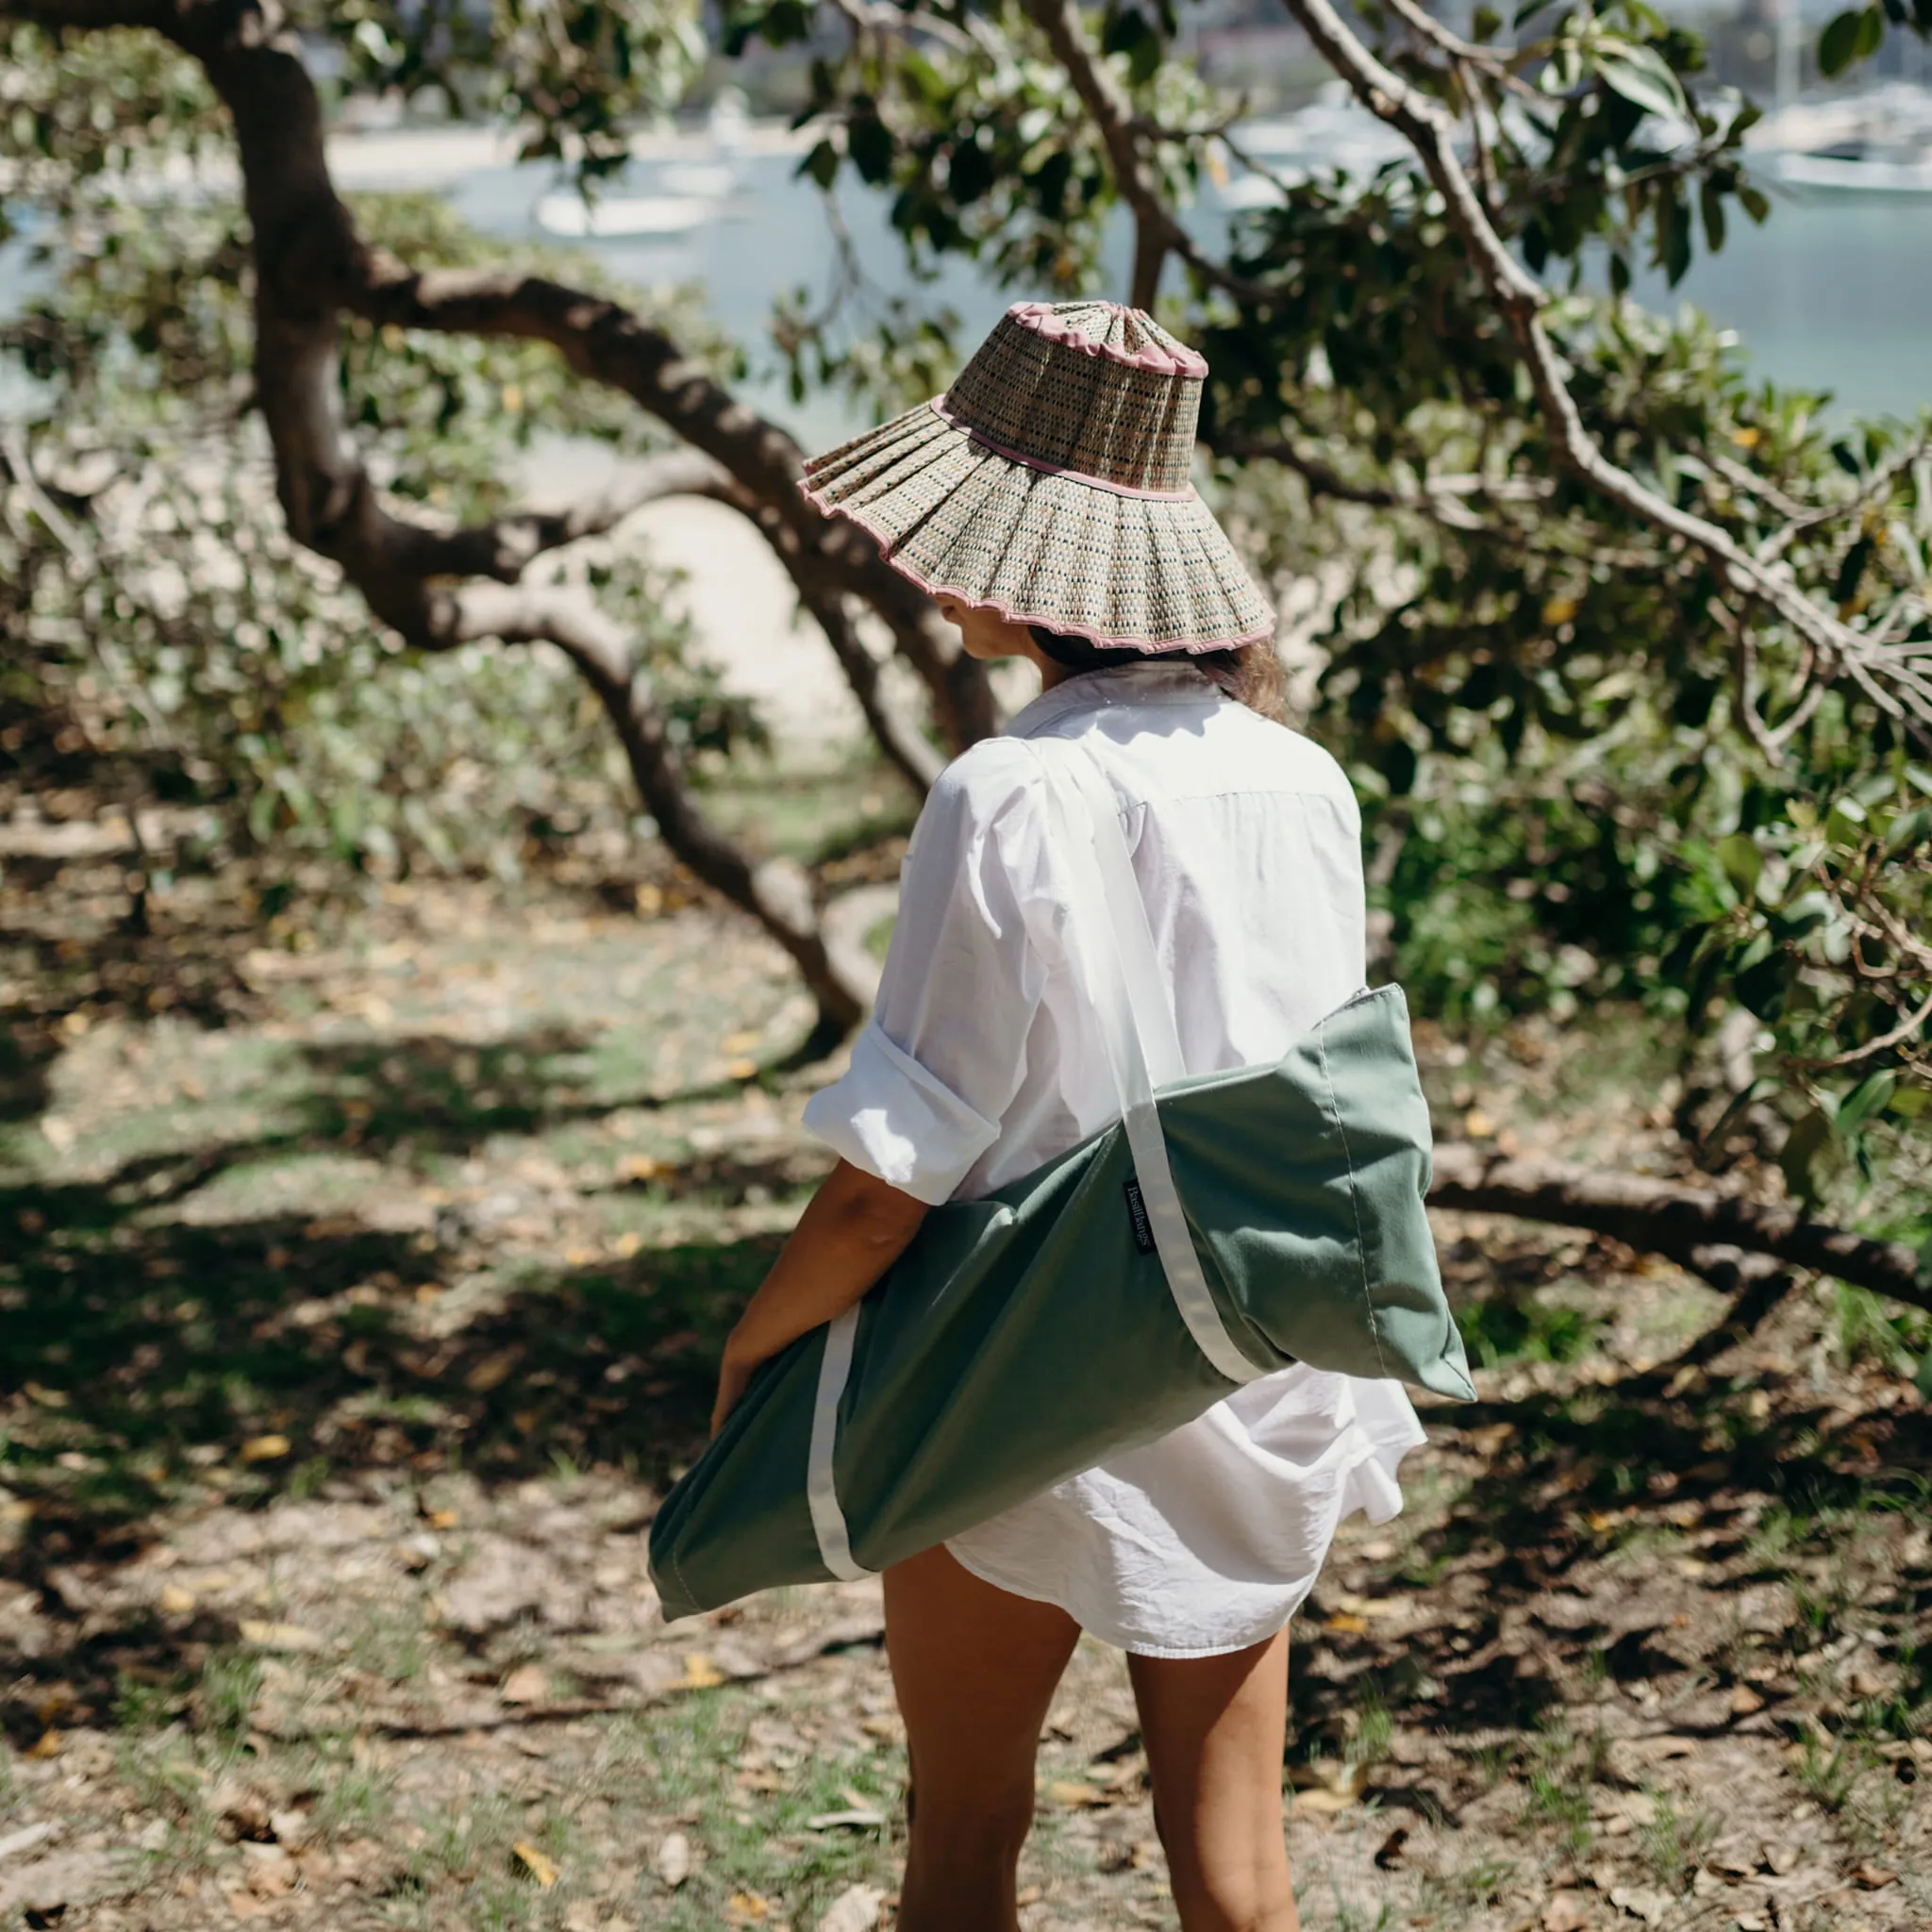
(1215, 1728)
(975, 1669)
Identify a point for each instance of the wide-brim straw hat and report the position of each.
(1051, 483)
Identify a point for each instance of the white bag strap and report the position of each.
(1130, 999)
(821, 1489)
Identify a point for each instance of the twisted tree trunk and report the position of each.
(311, 268)
(1680, 1222)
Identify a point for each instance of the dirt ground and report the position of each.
(361, 1295)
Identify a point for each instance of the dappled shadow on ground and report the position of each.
(1637, 1548)
(270, 1358)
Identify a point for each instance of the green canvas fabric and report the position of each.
(1026, 1337)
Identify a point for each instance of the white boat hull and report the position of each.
(619, 216)
(1841, 174)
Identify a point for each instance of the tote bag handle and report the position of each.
(1130, 999)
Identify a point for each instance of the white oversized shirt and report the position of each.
(983, 1060)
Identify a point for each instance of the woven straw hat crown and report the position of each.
(1051, 483)
(1102, 392)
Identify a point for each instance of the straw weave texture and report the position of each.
(1051, 483)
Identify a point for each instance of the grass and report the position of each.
(1674, 1842)
(1504, 1330)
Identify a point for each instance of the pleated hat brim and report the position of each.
(1125, 570)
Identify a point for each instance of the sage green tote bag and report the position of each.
(1226, 1226)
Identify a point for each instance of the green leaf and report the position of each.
(1711, 200)
(1870, 32)
(869, 142)
(1643, 77)
(1837, 45)
(1810, 1158)
(821, 164)
(1867, 1098)
(1908, 830)
(1743, 863)
(1673, 238)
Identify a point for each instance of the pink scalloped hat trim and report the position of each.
(1148, 647)
(1044, 319)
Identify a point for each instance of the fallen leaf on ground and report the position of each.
(491, 1372)
(1876, 1877)
(627, 1244)
(1340, 1776)
(264, 1448)
(28, 1835)
(527, 1684)
(537, 1864)
(674, 1859)
(1347, 1623)
(746, 1909)
(1389, 1855)
(48, 1744)
(856, 1910)
(1745, 1700)
(1567, 1911)
(701, 1674)
(857, 1819)
(1322, 1803)
(176, 1602)
(290, 1828)
(1641, 1902)
(1373, 1605)
(278, 1636)
(1067, 1792)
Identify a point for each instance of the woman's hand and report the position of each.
(734, 1373)
(853, 1229)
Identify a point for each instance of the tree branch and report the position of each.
(1156, 232)
(1663, 1218)
(605, 342)
(1442, 497)
(777, 890)
(506, 547)
(1522, 297)
(309, 265)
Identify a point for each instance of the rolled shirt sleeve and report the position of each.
(942, 1056)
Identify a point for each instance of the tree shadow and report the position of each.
(1587, 1476)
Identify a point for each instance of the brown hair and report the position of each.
(1250, 674)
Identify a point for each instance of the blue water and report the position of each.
(1830, 295)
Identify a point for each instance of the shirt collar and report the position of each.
(1157, 681)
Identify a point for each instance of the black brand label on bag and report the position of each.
(1136, 1218)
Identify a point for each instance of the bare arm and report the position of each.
(853, 1229)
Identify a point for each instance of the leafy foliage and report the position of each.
(1590, 772)
(170, 642)
(575, 75)
(1593, 768)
